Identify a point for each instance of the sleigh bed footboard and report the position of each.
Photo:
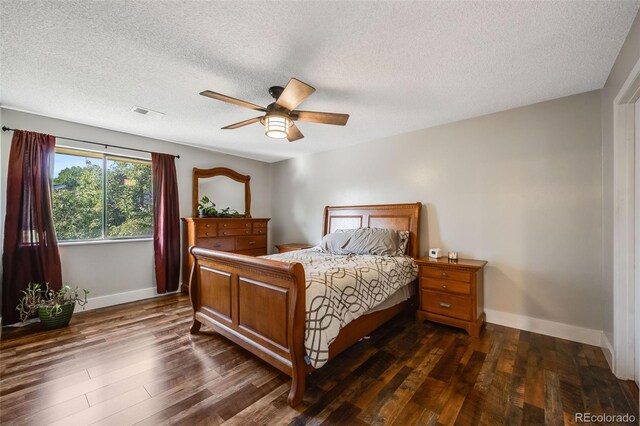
(257, 303)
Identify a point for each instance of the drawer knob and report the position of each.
(444, 274)
(445, 305)
(252, 242)
(444, 286)
(224, 233)
(246, 232)
(208, 225)
(225, 225)
(246, 225)
(216, 245)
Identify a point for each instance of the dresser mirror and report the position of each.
(224, 187)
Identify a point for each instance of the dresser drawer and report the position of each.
(259, 231)
(446, 304)
(253, 242)
(238, 231)
(260, 224)
(253, 252)
(445, 274)
(222, 244)
(445, 286)
(234, 224)
(204, 229)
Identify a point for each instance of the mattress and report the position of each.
(402, 294)
(341, 288)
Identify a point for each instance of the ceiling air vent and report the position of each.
(148, 112)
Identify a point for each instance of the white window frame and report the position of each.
(104, 156)
(624, 275)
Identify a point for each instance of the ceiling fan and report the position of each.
(281, 114)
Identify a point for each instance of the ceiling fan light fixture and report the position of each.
(278, 121)
(277, 126)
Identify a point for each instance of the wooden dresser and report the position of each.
(243, 235)
(452, 293)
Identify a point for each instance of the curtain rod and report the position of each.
(7, 129)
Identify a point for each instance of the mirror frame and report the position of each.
(221, 171)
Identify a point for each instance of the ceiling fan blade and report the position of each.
(320, 117)
(229, 99)
(294, 133)
(293, 95)
(242, 123)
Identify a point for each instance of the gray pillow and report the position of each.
(377, 241)
(335, 243)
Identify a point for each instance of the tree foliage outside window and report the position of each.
(101, 197)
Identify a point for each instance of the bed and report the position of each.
(260, 303)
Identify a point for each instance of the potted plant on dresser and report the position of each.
(54, 307)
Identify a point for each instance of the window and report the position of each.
(99, 196)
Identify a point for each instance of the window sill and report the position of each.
(92, 242)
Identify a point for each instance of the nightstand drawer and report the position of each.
(445, 286)
(445, 274)
(446, 304)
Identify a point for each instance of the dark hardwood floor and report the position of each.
(137, 364)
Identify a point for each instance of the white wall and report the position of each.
(116, 267)
(627, 58)
(520, 189)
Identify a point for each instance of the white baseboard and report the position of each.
(607, 349)
(548, 328)
(119, 298)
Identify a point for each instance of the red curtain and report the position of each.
(30, 244)
(166, 222)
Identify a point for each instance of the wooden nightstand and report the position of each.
(452, 293)
(283, 248)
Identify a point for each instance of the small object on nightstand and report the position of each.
(452, 292)
(283, 248)
(434, 253)
(453, 256)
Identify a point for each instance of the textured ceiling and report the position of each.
(394, 66)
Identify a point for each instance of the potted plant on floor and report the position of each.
(54, 307)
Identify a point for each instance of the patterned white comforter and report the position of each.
(340, 288)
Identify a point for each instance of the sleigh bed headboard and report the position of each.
(401, 217)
